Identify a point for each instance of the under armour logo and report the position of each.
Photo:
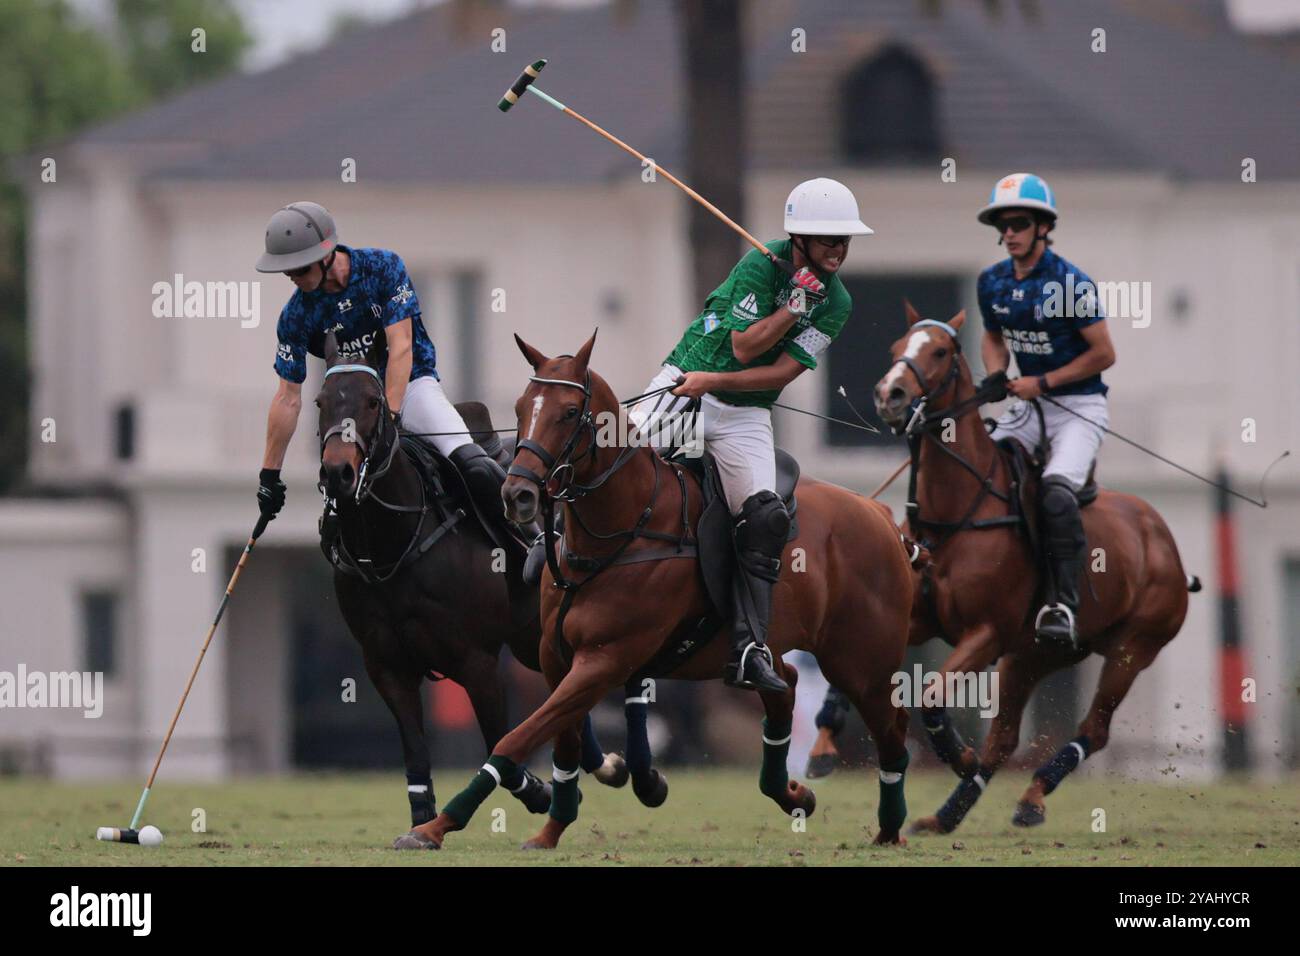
(1017, 295)
(345, 305)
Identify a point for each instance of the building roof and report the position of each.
(1177, 91)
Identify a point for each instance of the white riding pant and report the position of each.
(426, 408)
(1072, 443)
(739, 437)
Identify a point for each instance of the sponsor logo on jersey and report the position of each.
(284, 352)
(1017, 295)
(1001, 309)
(1028, 341)
(747, 308)
(345, 305)
(403, 294)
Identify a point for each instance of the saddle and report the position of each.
(714, 531)
(715, 554)
(1026, 470)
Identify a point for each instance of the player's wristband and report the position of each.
(1042, 384)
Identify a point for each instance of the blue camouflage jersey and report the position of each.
(1040, 316)
(378, 294)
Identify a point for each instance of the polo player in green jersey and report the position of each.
(759, 331)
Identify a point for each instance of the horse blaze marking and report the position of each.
(915, 342)
(537, 410)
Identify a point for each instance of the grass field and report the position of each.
(712, 817)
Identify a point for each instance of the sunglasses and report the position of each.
(831, 242)
(299, 273)
(1014, 223)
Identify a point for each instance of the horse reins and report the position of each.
(922, 426)
(366, 478)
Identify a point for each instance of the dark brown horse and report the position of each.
(981, 584)
(420, 586)
(846, 601)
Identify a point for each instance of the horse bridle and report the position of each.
(921, 426)
(561, 464)
(366, 477)
(570, 491)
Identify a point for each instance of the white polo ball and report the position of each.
(150, 836)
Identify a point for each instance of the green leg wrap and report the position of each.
(564, 793)
(774, 779)
(893, 803)
(462, 806)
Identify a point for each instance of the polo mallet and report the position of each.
(131, 834)
(525, 84)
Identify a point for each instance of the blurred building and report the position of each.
(526, 222)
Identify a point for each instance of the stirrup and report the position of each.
(734, 674)
(1069, 620)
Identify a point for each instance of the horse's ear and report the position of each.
(584, 353)
(913, 316)
(331, 349)
(957, 320)
(535, 358)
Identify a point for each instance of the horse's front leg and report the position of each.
(976, 650)
(774, 779)
(401, 692)
(591, 676)
(482, 682)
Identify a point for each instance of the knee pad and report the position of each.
(1059, 497)
(472, 458)
(763, 523)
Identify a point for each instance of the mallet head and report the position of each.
(117, 835)
(517, 88)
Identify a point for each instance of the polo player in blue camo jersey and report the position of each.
(1043, 309)
(359, 295)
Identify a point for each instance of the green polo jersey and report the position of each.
(754, 290)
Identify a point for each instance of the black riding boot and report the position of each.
(761, 529)
(1056, 621)
(485, 477)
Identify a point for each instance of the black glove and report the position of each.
(270, 492)
(994, 387)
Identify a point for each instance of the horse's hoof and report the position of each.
(548, 837)
(613, 772)
(652, 789)
(928, 825)
(799, 797)
(414, 841)
(536, 795)
(1029, 814)
(890, 839)
(821, 765)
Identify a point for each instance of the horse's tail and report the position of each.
(1193, 583)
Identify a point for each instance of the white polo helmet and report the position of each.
(823, 207)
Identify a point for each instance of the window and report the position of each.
(99, 627)
(860, 355)
(888, 110)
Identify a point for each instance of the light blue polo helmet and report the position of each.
(1019, 191)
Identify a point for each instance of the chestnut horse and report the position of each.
(980, 586)
(846, 601)
(417, 586)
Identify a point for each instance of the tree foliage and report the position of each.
(58, 74)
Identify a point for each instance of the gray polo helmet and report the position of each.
(298, 235)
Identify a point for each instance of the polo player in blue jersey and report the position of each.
(361, 295)
(1043, 309)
